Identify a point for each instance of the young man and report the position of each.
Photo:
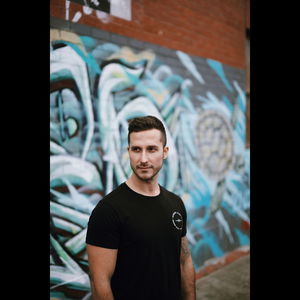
(136, 243)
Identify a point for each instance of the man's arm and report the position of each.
(187, 272)
(102, 262)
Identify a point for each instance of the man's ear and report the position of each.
(166, 151)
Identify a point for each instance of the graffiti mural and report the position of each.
(95, 88)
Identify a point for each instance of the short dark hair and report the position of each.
(146, 123)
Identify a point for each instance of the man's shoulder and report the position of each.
(114, 195)
(174, 199)
(169, 194)
(109, 204)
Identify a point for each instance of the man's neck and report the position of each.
(147, 188)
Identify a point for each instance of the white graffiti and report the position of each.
(95, 92)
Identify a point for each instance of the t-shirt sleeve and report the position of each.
(184, 216)
(103, 228)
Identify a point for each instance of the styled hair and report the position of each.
(145, 123)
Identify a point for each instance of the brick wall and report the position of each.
(211, 29)
(186, 89)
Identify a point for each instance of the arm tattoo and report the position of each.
(185, 246)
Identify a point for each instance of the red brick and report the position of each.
(213, 29)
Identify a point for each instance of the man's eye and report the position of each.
(152, 149)
(135, 149)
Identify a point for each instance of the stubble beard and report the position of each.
(146, 179)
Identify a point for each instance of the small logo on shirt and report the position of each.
(177, 220)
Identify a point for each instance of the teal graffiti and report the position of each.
(94, 93)
(243, 238)
(189, 64)
(218, 68)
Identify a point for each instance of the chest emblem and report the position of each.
(177, 220)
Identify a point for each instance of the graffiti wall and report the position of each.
(96, 86)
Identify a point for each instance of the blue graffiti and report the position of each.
(218, 68)
(95, 89)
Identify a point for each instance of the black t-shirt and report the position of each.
(147, 232)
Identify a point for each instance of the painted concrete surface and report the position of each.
(231, 282)
(215, 264)
(98, 82)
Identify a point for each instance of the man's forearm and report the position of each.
(188, 289)
(102, 291)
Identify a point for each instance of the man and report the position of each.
(136, 243)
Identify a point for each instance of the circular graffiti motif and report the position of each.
(215, 144)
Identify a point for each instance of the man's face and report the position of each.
(146, 153)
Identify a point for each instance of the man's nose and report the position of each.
(144, 157)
